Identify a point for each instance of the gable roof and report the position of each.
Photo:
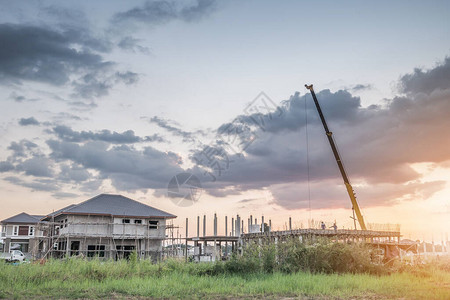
(23, 218)
(114, 205)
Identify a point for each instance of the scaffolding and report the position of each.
(103, 238)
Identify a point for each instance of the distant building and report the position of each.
(105, 226)
(21, 232)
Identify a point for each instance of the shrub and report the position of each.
(291, 255)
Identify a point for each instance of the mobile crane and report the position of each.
(350, 191)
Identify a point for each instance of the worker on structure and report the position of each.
(334, 226)
(322, 224)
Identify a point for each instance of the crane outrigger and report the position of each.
(351, 193)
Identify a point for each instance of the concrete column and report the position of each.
(204, 225)
(290, 223)
(270, 225)
(186, 242)
(238, 225)
(262, 224)
(232, 227)
(198, 226)
(215, 224)
(226, 226)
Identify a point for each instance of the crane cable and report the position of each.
(307, 159)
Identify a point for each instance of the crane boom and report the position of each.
(329, 134)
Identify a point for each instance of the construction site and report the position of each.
(113, 227)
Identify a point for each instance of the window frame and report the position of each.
(153, 224)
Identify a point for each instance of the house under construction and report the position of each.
(106, 226)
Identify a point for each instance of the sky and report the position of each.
(124, 96)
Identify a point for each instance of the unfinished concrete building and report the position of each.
(106, 226)
(21, 232)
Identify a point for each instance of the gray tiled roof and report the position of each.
(23, 218)
(61, 210)
(116, 205)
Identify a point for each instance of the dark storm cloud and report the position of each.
(127, 137)
(128, 168)
(42, 54)
(378, 145)
(422, 81)
(28, 121)
(68, 55)
(341, 106)
(159, 12)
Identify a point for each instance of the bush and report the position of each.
(290, 256)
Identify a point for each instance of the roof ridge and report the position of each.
(140, 203)
(76, 205)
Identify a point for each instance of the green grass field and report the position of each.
(76, 278)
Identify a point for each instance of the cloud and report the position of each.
(45, 185)
(20, 98)
(74, 173)
(331, 193)
(82, 106)
(377, 144)
(6, 166)
(198, 11)
(42, 54)
(98, 82)
(165, 124)
(63, 195)
(66, 116)
(160, 12)
(21, 148)
(61, 56)
(421, 81)
(28, 121)
(130, 43)
(361, 87)
(127, 137)
(36, 166)
(128, 168)
(248, 200)
(127, 77)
